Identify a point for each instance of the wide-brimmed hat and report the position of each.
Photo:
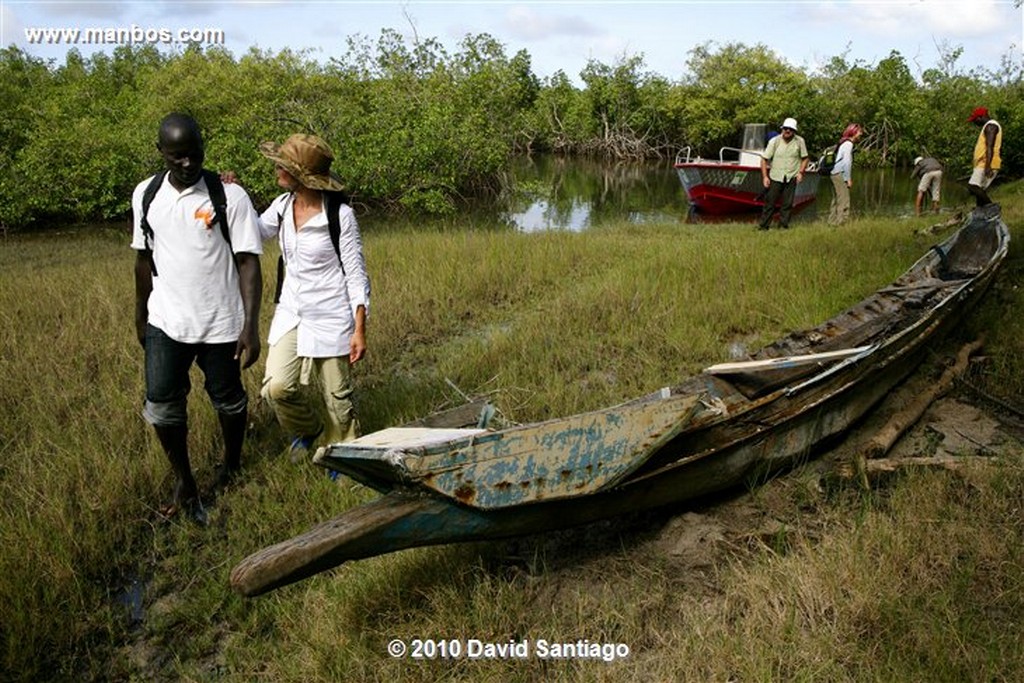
(308, 158)
(789, 123)
(977, 114)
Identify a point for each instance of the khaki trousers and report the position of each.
(286, 389)
(839, 211)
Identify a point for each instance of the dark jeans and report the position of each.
(167, 377)
(787, 191)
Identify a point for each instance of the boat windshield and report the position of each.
(754, 136)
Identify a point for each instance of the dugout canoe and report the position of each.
(733, 424)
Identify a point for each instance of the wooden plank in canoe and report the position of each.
(784, 362)
(410, 437)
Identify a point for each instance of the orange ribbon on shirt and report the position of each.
(206, 215)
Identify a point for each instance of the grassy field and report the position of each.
(920, 580)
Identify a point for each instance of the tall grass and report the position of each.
(919, 583)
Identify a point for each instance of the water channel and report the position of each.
(573, 194)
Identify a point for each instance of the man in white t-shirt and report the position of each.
(197, 299)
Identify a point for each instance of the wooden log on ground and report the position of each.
(899, 423)
(953, 221)
(875, 470)
(886, 465)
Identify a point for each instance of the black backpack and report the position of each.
(220, 208)
(828, 160)
(332, 203)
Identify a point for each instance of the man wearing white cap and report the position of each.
(929, 170)
(782, 167)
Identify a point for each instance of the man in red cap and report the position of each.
(986, 155)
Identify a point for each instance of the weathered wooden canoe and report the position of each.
(735, 423)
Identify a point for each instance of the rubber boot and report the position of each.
(174, 440)
(233, 430)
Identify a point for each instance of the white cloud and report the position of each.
(12, 30)
(526, 24)
(975, 18)
(88, 10)
(895, 18)
(167, 9)
(610, 49)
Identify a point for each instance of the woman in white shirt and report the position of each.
(842, 178)
(320, 321)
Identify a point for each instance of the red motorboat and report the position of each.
(725, 186)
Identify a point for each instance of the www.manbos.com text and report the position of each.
(123, 35)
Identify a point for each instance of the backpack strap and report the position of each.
(220, 202)
(332, 204)
(218, 198)
(147, 231)
(280, 279)
(280, 242)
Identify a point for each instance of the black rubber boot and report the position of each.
(233, 429)
(174, 440)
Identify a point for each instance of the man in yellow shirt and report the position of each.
(782, 168)
(986, 155)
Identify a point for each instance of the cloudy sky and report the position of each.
(565, 35)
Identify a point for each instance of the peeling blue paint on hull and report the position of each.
(560, 458)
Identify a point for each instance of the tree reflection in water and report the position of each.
(552, 193)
